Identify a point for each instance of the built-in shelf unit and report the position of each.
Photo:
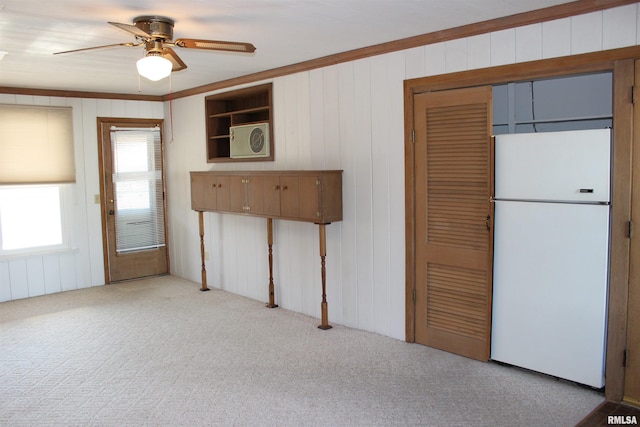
(246, 106)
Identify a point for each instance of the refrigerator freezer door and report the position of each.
(566, 166)
(549, 289)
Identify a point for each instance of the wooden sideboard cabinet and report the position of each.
(310, 196)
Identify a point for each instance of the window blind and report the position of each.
(36, 145)
(138, 188)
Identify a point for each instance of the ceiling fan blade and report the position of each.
(132, 29)
(172, 56)
(98, 47)
(216, 45)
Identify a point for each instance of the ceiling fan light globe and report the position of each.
(154, 68)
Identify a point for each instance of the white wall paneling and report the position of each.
(348, 227)
(529, 43)
(350, 116)
(556, 38)
(347, 116)
(5, 282)
(586, 33)
(19, 278)
(396, 241)
(435, 59)
(363, 187)
(383, 143)
(184, 122)
(479, 51)
(619, 26)
(53, 280)
(35, 276)
(456, 55)
(414, 62)
(503, 47)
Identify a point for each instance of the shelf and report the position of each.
(241, 107)
(237, 112)
(219, 115)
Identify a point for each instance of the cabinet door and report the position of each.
(210, 192)
(330, 197)
(255, 194)
(236, 194)
(271, 190)
(263, 195)
(289, 207)
(309, 197)
(223, 192)
(300, 197)
(197, 192)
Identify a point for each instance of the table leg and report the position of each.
(202, 256)
(272, 303)
(323, 253)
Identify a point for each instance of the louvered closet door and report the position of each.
(454, 220)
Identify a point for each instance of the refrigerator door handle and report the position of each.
(565, 202)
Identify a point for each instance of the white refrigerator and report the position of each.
(551, 251)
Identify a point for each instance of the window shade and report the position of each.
(36, 145)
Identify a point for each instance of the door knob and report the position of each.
(111, 212)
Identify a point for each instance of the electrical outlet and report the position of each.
(206, 255)
(96, 199)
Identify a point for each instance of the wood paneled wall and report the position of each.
(346, 116)
(82, 266)
(350, 116)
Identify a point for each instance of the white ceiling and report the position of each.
(284, 32)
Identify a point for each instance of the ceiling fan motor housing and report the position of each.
(158, 27)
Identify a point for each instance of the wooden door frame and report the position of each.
(632, 371)
(621, 63)
(131, 122)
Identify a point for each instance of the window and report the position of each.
(32, 218)
(138, 189)
(36, 165)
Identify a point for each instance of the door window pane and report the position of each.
(138, 189)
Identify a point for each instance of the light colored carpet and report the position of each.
(157, 352)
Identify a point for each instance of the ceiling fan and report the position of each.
(155, 33)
